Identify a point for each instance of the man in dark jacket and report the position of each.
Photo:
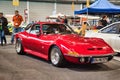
(3, 25)
(104, 21)
(58, 19)
(65, 20)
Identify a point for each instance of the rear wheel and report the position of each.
(56, 57)
(19, 47)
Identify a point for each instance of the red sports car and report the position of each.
(58, 43)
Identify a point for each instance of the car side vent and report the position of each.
(99, 48)
(91, 48)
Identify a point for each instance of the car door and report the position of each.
(26, 40)
(115, 43)
(116, 39)
(111, 35)
(33, 38)
(47, 37)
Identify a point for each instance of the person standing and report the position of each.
(65, 20)
(58, 19)
(3, 25)
(99, 25)
(104, 21)
(83, 29)
(17, 20)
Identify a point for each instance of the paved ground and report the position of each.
(27, 67)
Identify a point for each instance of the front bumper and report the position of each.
(88, 59)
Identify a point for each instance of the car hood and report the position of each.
(85, 45)
(76, 40)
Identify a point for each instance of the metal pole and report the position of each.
(87, 14)
(28, 11)
(15, 7)
(55, 8)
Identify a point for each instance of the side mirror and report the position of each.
(99, 31)
(38, 33)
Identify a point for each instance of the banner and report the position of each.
(73, 6)
(26, 15)
(15, 2)
(87, 3)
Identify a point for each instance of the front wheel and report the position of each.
(19, 47)
(56, 57)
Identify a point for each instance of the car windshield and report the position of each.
(56, 29)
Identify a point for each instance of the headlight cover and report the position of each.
(72, 53)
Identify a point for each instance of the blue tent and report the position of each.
(100, 7)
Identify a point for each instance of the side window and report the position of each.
(28, 28)
(47, 29)
(35, 28)
(55, 29)
(50, 28)
(119, 31)
(111, 29)
(119, 28)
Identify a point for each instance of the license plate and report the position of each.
(99, 60)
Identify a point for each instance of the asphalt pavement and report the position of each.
(28, 67)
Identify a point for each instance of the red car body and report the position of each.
(74, 48)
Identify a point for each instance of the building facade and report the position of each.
(37, 10)
(40, 9)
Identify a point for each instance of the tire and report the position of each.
(19, 47)
(56, 57)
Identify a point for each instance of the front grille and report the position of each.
(94, 49)
(91, 48)
(89, 59)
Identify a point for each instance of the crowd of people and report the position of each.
(101, 23)
(17, 20)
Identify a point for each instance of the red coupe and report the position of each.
(58, 43)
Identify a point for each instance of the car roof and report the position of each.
(108, 25)
(48, 23)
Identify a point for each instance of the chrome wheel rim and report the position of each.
(55, 56)
(18, 47)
